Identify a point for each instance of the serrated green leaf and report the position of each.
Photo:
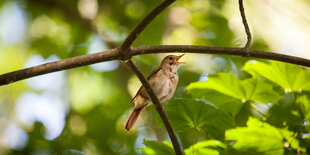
(290, 77)
(209, 147)
(157, 148)
(244, 90)
(186, 114)
(258, 138)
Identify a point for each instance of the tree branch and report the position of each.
(134, 34)
(58, 66)
(114, 55)
(245, 23)
(159, 107)
(122, 51)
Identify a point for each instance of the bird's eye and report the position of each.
(170, 58)
(170, 63)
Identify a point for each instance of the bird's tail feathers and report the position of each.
(133, 117)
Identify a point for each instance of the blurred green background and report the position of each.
(222, 105)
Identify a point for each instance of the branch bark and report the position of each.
(113, 54)
(142, 25)
(245, 24)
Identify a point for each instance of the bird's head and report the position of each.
(172, 61)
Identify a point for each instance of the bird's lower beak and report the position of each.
(177, 59)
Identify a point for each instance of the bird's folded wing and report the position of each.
(141, 90)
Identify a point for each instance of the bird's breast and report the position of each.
(164, 85)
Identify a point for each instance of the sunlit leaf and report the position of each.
(257, 138)
(186, 114)
(157, 148)
(225, 103)
(289, 77)
(209, 147)
(244, 90)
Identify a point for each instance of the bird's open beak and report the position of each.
(177, 59)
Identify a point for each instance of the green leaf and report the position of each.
(224, 83)
(289, 77)
(157, 148)
(244, 90)
(225, 103)
(304, 103)
(186, 114)
(209, 147)
(258, 90)
(257, 138)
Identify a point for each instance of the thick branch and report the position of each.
(158, 105)
(134, 34)
(114, 55)
(245, 23)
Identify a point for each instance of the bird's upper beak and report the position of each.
(177, 59)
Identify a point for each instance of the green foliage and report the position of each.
(244, 90)
(186, 114)
(211, 147)
(244, 107)
(156, 148)
(289, 77)
(256, 138)
(226, 103)
(229, 94)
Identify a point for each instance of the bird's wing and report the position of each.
(141, 89)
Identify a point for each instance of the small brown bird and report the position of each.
(163, 81)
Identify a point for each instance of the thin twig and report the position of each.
(158, 105)
(141, 26)
(114, 55)
(246, 26)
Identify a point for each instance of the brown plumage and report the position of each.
(163, 81)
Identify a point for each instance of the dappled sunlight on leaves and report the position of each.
(222, 104)
(290, 77)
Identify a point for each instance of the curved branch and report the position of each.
(138, 29)
(114, 55)
(246, 26)
(159, 107)
(126, 47)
